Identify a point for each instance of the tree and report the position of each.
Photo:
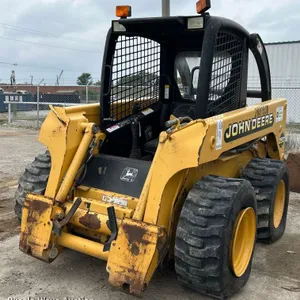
(85, 79)
(141, 78)
(98, 82)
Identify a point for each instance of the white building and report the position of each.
(284, 60)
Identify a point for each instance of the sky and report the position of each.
(44, 37)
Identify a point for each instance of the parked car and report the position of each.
(23, 92)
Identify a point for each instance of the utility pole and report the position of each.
(165, 8)
(31, 81)
(38, 102)
(87, 94)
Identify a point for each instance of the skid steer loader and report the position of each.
(171, 166)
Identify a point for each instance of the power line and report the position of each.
(16, 40)
(48, 79)
(21, 65)
(12, 27)
(39, 67)
(5, 63)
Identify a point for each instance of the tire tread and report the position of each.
(199, 237)
(34, 180)
(262, 173)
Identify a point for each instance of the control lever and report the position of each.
(171, 123)
(136, 151)
(113, 226)
(58, 225)
(135, 126)
(177, 121)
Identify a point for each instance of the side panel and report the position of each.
(202, 142)
(230, 130)
(61, 133)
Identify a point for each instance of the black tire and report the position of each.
(204, 233)
(265, 175)
(34, 180)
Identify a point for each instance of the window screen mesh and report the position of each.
(226, 74)
(135, 75)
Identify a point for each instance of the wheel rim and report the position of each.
(243, 241)
(279, 204)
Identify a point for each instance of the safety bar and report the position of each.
(94, 221)
(254, 94)
(82, 245)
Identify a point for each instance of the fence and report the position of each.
(29, 105)
(292, 94)
(30, 109)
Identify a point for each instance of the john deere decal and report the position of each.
(239, 129)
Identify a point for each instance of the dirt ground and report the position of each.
(275, 274)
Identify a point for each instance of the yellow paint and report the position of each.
(103, 218)
(105, 196)
(175, 153)
(279, 204)
(190, 147)
(134, 255)
(77, 161)
(101, 207)
(183, 156)
(89, 234)
(36, 226)
(140, 208)
(62, 133)
(243, 241)
(82, 245)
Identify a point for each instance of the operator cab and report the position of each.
(155, 69)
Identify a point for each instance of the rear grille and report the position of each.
(225, 84)
(135, 75)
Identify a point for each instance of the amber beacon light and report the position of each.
(123, 11)
(202, 6)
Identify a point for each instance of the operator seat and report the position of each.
(182, 110)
